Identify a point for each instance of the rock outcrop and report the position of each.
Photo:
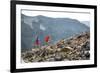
(74, 48)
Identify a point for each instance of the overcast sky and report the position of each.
(73, 15)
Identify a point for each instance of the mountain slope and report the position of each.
(57, 28)
(75, 48)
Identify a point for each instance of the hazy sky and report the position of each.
(73, 15)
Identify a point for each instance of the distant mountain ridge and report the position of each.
(57, 28)
(86, 23)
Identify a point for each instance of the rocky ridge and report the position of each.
(74, 48)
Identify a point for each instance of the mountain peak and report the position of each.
(41, 16)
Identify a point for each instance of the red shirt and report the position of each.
(47, 38)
